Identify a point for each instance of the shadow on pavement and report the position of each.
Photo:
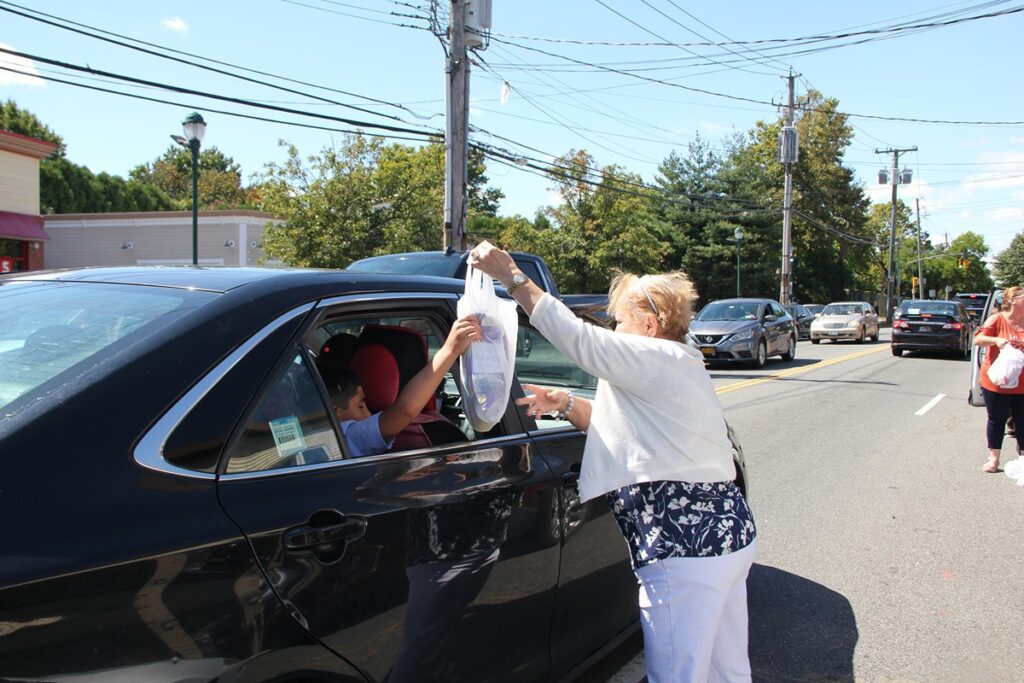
(799, 630)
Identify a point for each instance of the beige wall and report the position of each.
(225, 238)
(19, 183)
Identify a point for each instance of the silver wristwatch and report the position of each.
(518, 280)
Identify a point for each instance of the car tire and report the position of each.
(874, 337)
(815, 341)
(897, 351)
(860, 337)
(761, 355)
(790, 353)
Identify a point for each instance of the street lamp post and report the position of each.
(738, 234)
(194, 127)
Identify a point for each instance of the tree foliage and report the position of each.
(1008, 265)
(362, 198)
(219, 182)
(16, 120)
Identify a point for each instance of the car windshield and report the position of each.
(729, 310)
(439, 265)
(842, 309)
(51, 326)
(929, 308)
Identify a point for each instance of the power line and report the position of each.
(223, 98)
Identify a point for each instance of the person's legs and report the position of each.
(683, 601)
(998, 408)
(730, 659)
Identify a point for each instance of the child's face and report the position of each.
(356, 408)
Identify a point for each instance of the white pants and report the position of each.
(694, 614)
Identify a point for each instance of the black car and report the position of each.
(803, 318)
(975, 303)
(932, 325)
(180, 504)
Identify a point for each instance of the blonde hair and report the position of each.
(1008, 295)
(671, 298)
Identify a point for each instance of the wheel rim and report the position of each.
(792, 347)
(762, 353)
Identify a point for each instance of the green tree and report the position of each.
(963, 268)
(66, 187)
(21, 121)
(603, 222)
(831, 243)
(1008, 265)
(219, 185)
(362, 198)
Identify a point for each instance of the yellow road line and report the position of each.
(797, 371)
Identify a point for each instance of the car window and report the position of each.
(776, 309)
(722, 310)
(289, 427)
(50, 327)
(539, 362)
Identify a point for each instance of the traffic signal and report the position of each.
(913, 281)
(964, 263)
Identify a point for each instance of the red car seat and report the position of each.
(386, 357)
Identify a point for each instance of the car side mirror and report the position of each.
(770, 318)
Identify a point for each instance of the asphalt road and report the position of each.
(884, 553)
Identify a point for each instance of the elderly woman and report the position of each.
(658, 450)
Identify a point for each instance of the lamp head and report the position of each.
(194, 127)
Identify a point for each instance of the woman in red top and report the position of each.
(1005, 327)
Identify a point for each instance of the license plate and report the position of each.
(833, 334)
(707, 350)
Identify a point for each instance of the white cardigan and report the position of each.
(655, 415)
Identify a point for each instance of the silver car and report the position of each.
(743, 331)
(855, 320)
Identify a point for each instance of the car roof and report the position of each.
(223, 279)
(745, 299)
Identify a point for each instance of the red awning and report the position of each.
(21, 226)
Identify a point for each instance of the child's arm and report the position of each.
(421, 387)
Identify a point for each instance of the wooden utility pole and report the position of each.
(788, 154)
(890, 280)
(456, 129)
(920, 276)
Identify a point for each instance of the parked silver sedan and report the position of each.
(856, 320)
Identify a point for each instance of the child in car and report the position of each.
(371, 434)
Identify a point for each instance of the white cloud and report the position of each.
(29, 76)
(176, 24)
(713, 127)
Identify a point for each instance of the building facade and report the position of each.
(225, 238)
(22, 235)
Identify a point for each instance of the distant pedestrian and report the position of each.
(1002, 328)
(658, 450)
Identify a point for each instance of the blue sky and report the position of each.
(966, 176)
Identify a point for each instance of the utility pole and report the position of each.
(788, 155)
(456, 130)
(890, 296)
(920, 277)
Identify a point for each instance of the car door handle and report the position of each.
(309, 536)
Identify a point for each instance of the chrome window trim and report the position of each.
(445, 449)
(149, 452)
(391, 296)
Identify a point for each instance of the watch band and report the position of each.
(518, 281)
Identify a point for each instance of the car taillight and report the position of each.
(901, 325)
(953, 326)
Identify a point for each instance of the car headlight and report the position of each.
(853, 323)
(743, 334)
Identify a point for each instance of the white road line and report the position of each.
(931, 404)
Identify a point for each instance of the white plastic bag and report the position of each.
(1015, 470)
(1006, 368)
(487, 365)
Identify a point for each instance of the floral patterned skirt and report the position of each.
(662, 519)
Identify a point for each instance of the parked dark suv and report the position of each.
(932, 325)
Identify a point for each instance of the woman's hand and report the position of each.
(542, 400)
(1015, 343)
(493, 261)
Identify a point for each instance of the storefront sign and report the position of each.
(6, 264)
